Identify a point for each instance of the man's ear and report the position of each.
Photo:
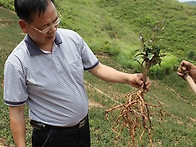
(23, 25)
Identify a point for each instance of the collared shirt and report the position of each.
(52, 84)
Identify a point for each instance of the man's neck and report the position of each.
(46, 47)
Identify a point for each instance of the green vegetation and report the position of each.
(112, 27)
(178, 38)
(7, 4)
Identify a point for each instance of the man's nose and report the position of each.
(52, 29)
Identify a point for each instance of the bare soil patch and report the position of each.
(5, 22)
(2, 142)
(93, 104)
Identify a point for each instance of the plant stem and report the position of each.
(145, 72)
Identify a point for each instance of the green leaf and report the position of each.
(150, 56)
(139, 59)
(140, 54)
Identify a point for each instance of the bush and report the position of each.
(7, 4)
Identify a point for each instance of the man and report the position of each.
(187, 67)
(45, 71)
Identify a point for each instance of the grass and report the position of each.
(113, 26)
(178, 127)
(98, 28)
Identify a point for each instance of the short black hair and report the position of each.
(26, 9)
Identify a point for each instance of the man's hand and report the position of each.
(136, 80)
(187, 67)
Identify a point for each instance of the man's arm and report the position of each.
(109, 74)
(17, 124)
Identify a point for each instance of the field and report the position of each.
(178, 124)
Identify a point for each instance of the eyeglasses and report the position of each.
(47, 29)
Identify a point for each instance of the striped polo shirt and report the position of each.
(52, 84)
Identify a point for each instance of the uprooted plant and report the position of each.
(134, 113)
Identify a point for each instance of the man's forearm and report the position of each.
(109, 74)
(17, 124)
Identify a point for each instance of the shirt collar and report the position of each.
(34, 49)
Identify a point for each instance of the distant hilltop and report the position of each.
(190, 2)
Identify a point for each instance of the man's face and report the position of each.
(43, 28)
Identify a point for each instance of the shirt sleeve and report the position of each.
(15, 88)
(88, 57)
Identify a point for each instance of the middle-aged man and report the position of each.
(45, 70)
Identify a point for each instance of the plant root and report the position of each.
(134, 114)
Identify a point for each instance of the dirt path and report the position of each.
(1, 142)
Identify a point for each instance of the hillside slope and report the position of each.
(179, 19)
(113, 26)
(191, 2)
(178, 126)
